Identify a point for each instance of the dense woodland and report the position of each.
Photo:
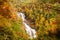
(42, 15)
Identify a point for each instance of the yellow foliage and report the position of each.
(47, 23)
(42, 19)
(52, 20)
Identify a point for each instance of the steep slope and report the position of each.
(10, 24)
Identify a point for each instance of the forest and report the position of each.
(41, 15)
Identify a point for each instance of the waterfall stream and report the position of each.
(31, 32)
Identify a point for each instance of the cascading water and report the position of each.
(31, 32)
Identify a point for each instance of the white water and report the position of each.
(31, 32)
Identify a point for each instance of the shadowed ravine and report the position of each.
(31, 32)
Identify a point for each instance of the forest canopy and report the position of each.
(42, 15)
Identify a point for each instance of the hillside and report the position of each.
(41, 15)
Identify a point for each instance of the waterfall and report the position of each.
(31, 32)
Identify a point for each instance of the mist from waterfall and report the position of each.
(31, 32)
